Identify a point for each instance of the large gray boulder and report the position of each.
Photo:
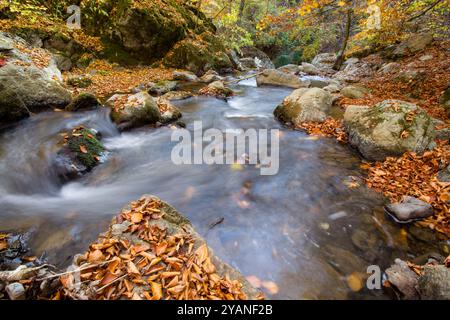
(305, 105)
(271, 77)
(354, 72)
(131, 111)
(354, 92)
(389, 128)
(324, 60)
(414, 44)
(26, 87)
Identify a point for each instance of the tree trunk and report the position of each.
(340, 58)
(241, 11)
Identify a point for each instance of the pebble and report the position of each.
(15, 291)
(409, 209)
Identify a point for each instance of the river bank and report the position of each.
(308, 233)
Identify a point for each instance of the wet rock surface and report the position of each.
(271, 77)
(28, 85)
(132, 111)
(304, 105)
(410, 209)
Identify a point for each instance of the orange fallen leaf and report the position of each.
(96, 256)
(156, 290)
(83, 149)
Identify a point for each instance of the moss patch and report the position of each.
(87, 148)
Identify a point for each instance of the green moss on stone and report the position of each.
(84, 138)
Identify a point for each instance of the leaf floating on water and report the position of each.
(324, 226)
(254, 281)
(355, 282)
(271, 287)
(237, 167)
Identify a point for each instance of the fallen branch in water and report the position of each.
(244, 78)
(21, 273)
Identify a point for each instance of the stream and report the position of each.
(304, 229)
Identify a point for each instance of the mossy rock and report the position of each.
(87, 148)
(199, 55)
(132, 111)
(147, 30)
(389, 128)
(84, 101)
(78, 153)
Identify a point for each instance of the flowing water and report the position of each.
(308, 228)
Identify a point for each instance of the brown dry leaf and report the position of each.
(161, 248)
(112, 266)
(136, 217)
(67, 280)
(156, 290)
(132, 269)
(202, 253)
(83, 149)
(96, 256)
(108, 278)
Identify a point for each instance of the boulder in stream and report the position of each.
(79, 152)
(132, 111)
(28, 84)
(217, 89)
(211, 76)
(161, 246)
(162, 87)
(389, 128)
(271, 77)
(409, 209)
(304, 105)
(169, 112)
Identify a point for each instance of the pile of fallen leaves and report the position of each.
(109, 78)
(146, 261)
(416, 175)
(40, 57)
(425, 91)
(329, 128)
